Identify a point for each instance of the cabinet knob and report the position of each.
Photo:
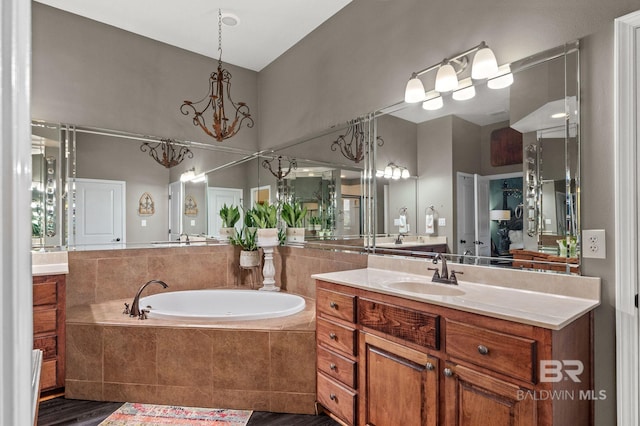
(448, 372)
(483, 350)
(332, 336)
(332, 396)
(429, 366)
(333, 305)
(332, 366)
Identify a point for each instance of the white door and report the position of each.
(175, 210)
(217, 197)
(465, 219)
(99, 213)
(482, 223)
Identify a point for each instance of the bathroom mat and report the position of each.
(133, 414)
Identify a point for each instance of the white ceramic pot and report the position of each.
(295, 235)
(249, 259)
(267, 237)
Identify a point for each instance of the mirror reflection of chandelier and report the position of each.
(167, 152)
(352, 143)
(221, 126)
(279, 173)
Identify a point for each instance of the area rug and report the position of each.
(132, 414)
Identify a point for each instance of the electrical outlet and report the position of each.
(593, 244)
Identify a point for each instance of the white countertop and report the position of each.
(538, 308)
(49, 263)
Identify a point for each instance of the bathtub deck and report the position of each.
(261, 365)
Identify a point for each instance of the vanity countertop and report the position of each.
(527, 304)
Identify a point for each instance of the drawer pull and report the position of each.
(483, 350)
(333, 305)
(332, 366)
(448, 372)
(332, 396)
(332, 336)
(429, 366)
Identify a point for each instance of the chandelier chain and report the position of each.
(219, 36)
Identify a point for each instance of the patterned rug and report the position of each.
(132, 414)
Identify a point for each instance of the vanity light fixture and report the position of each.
(433, 101)
(167, 152)
(484, 66)
(188, 175)
(352, 143)
(502, 79)
(466, 91)
(221, 127)
(280, 173)
(393, 171)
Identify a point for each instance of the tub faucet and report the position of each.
(186, 238)
(134, 310)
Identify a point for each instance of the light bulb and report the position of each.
(388, 171)
(405, 174)
(446, 78)
(466, 91)
(396, 173)
(484, 64)
(502, 79)
(414, 91)
(379, 173)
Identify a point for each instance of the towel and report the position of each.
(429, 225)
(403, 224)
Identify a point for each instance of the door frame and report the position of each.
(626, 94)
(213, 215)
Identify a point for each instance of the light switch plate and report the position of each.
(442, 221)
(593, 244)
(193, 222)
(143, 222)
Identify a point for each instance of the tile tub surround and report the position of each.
(266, 365)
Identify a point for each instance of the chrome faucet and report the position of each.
(186, 240)
(443, 277)
(134, 310)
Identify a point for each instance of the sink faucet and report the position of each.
(443, 277)
(186, 240)
(134, 311)
(399, 239)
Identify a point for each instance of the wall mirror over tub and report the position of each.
(490, 180)
(494, 178)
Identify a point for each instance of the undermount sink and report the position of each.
(425, 288)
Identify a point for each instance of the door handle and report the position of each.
(463, 241)
(478, 242)
(116, 240)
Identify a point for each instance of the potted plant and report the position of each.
(265, 217)
(293, 215)
(249, 254)
(230, 216)
(315, 221)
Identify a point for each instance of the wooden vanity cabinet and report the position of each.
(49, 329)
(423, 364)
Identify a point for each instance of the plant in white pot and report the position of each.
(293, 215)
(266, 218)
(249, 254)
(230, 216)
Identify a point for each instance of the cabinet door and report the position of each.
(400, 385)
(472, 398)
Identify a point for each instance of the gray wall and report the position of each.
(360, 60)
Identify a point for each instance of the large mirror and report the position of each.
(494, 178)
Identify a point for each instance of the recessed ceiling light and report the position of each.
(559, 115)
(230, 19)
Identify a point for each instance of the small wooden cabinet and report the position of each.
(49, 329)
(384, 360)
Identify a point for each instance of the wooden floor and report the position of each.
(61, 411)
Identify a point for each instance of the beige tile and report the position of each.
(130, 393)
(120, 277)
(208, 270)
(84, 352)
(188, 396)
(184, 357)
(240, 360)
(170, 269)
(241, 399)
(130, 355)
(296, 403)
(80, 389)
(81, 281)
(293, 361)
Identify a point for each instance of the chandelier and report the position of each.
(280, 173)
(167, 152)
(353, 143)
(221, 126)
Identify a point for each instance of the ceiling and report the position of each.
(266, 29)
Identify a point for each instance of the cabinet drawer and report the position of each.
(44, 321)
(336, 336)
(337, 367)
(48, 345)
(48, 375)
(414, 326)
(44, 293)
(337, 399)
(336, 304)
(504, 353)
